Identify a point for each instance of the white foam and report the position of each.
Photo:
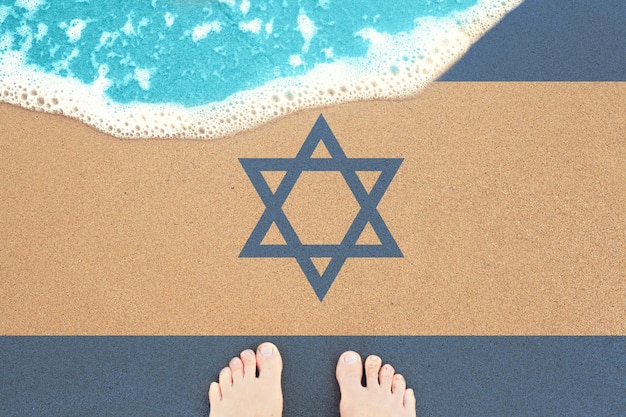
(295, 60)
(202, 31)
(30, 5)
(307, 29)
(169, 19)
(4, 13)
(394, 67)
(374, 38)
(253, 26)
(102, 83)
(42, 30)
(6, 41)
(27, 35)
(323, 3)
(75, 30)
(143, 22)
(107, 39)
(142, 76)
(244, 6)
(63, 65)
(128, 28)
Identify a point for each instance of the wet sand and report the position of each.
(508, 208)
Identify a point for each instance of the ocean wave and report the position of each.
(184, 70)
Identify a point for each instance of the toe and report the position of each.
(226, 380)
(249, 364)
(398, 386)
(385, 377)
(269, 361)
(349, 371)
(372, 369)
(409, 401)
(215, 394)
(236, 369)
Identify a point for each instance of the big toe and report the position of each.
(349, 371)
(269, 361)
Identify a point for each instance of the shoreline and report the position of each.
(375, 75)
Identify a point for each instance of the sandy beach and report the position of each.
(508, 209)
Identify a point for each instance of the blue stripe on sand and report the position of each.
(576, 40)
(452, 376)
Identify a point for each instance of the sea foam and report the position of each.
(395, 66)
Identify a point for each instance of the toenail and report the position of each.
(234, 362)
(267, 351)
(350, 358)
(247, 353)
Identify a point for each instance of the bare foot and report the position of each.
(240, 393)
(385, 395)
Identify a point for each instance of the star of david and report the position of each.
(368, 201)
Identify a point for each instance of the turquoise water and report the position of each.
(209, 68)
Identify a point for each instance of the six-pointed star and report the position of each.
(368, 213)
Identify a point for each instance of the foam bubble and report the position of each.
(394, 67)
